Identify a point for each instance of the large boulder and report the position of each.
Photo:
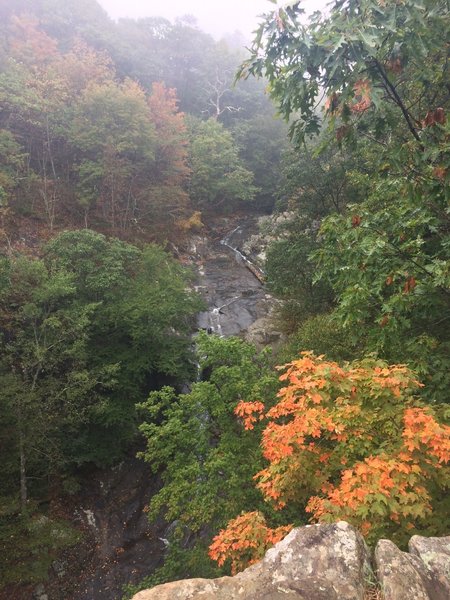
(434, 554)
(399, 573)
(263, 332)
(421, 574)
(316, 562)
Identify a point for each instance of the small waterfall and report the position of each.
(257, 271)
(214, 319)
(231, 284)
(227, 238)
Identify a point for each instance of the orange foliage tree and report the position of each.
(245, 541)
(346, 442)
(170, 172)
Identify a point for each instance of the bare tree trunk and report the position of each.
(23, 473)
(22, 453)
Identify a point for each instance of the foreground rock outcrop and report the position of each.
(320, 562)
(327, 562)
(421, 574)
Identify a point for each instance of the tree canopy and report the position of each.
(86, 331)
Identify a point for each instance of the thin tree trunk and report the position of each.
(22, 454)
(23, 473)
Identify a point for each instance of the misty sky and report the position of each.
(214, 16)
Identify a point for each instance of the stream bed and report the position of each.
(231, 283)
(122, 546)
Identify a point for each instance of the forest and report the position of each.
(123, 144)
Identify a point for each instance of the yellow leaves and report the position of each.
(192, 223)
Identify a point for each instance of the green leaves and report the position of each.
(218, 179)
(206, 461)
(357, 40)
(86, 332)
(381, 68)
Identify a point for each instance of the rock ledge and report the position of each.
(327, 562)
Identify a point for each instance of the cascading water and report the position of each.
(127, 547)
(257, 271)
(235, 295)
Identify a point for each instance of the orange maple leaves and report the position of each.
(348, 441)
(378, 487)
(250, 413)
(245, 540)
(423, 432)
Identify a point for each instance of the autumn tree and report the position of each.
(33, 102)
(28, 43)
(82, 66)
(346, 442)
(376, 74)
(134, 172)
(112, 129)
(97, 149)
(170, 172)
(40, 87)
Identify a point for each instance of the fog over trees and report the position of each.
(133, 140)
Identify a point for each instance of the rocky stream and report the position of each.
(120, 546)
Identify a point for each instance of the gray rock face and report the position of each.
(39, 593)
(317, 562)
(327, 562)
(263, 332)
(423, 574)
(434, 555)
(397, 572)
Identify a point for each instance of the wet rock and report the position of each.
(126, 547)
(399, 573)
(270, 228)
(248, 293)
(198, 247)
(39, 593)
(263, 332)
(235, 296)
(434, 554)
(59, 567)
(320, 562)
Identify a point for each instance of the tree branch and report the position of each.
(394, 94)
